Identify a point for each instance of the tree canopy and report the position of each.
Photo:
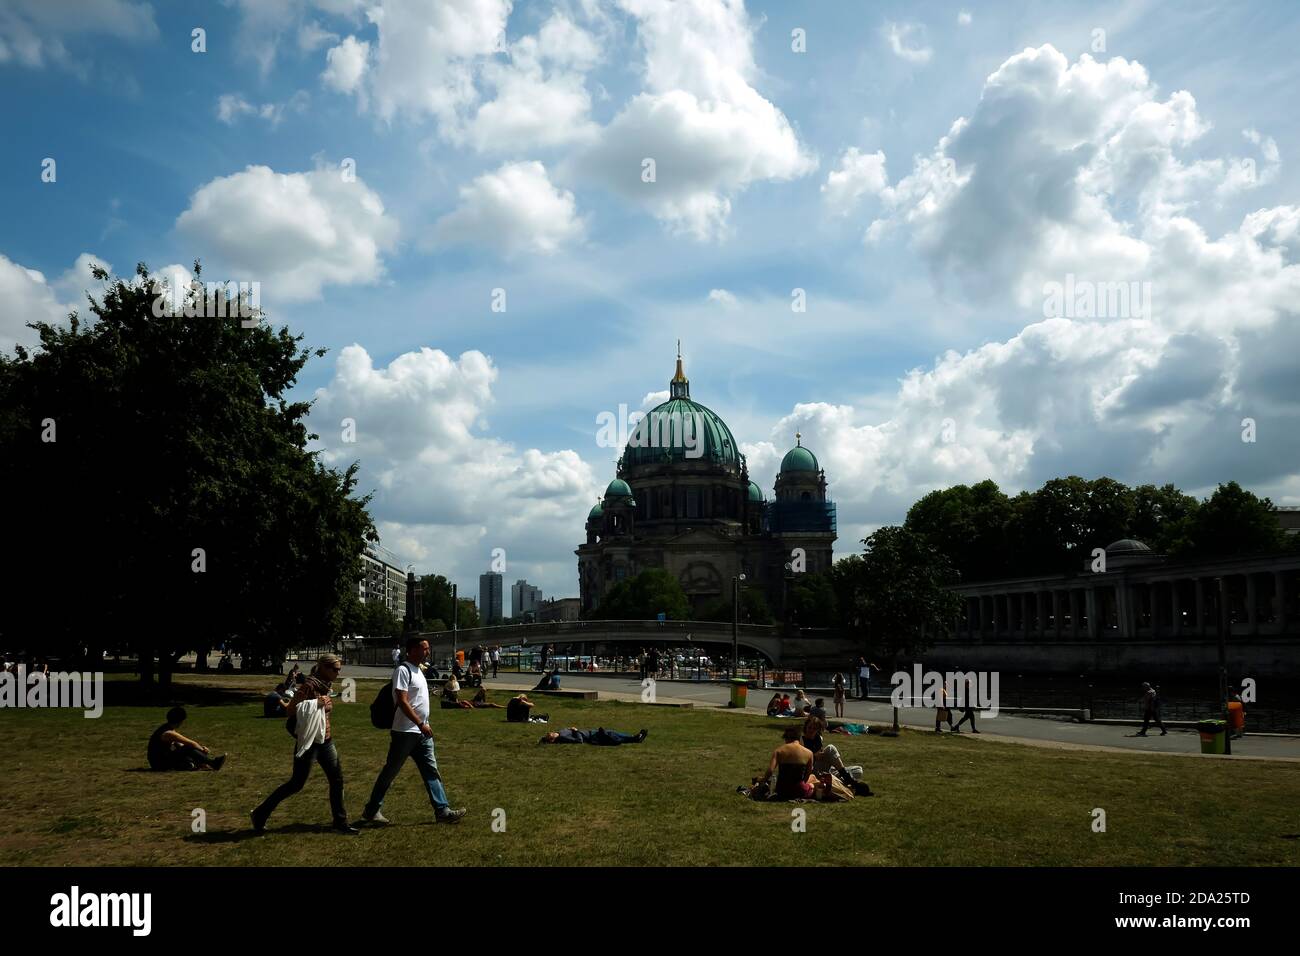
(644, 597)
(159, 449)
(987, 535)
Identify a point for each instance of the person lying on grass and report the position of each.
(169, 749)
(599, 737)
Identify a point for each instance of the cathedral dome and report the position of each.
(595, 512)
(618, 488)
(755, 492)
(682, 430)
(799, 458)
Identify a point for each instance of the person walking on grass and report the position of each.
(1150, 710)
(411, 737)
(310, 709)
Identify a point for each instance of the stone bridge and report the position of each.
(794, 650)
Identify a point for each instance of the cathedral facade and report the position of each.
(682, 500)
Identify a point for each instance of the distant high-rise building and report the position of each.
(384, 580)
(489, 597)
(524, 599)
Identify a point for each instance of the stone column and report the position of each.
(1074, 613)
(1279, 600)
(1199, 629)
(1056, 613)
(1024, 615)
(1090, 596)
(1252, 613)
(997, 615)
(1175, 609)
(1040, 605)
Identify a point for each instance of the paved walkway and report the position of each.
(1028, 730)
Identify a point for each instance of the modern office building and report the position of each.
(384, 579)
(489, 598)
(524, 599)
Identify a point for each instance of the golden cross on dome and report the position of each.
(798, 439)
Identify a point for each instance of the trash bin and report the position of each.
(739, 692)
(1212, 734)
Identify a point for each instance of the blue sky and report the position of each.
(920, 172)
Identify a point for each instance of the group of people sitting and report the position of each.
(804, 767)
(781, 705)
(450, 698)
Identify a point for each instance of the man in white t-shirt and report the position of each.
(411, 737)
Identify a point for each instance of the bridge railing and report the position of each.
(580, 631)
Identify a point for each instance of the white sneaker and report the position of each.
(378, 818)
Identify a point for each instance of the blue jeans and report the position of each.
(420, 749)
(325, 754)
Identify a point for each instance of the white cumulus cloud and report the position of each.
(294, 232)
(511, 210)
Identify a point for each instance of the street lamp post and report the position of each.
(735, 624)
(455, 618)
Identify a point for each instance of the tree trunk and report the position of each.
(145, 666)
(165, 663)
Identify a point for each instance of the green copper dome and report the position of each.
(618, 488)
(799, 458)
(755, 492)
(595, 512)
(680, 430)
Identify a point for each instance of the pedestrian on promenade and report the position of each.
(864, 678)
(838, 683)
(1150, 710)
(496, 659)
(944, 711)
(314, 689)
(412, 737)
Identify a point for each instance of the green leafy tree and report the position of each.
(159, 448)
(753, 609)
(899, 593)
(644, 597)
(1232, 521)
(812, 601)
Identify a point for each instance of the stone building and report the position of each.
(1143, 610)
(682, 500)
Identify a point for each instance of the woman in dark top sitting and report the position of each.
(169, 749)
(812, 733)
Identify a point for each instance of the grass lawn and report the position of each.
(72, 791)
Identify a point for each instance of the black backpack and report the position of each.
(384, 708)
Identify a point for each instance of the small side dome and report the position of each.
(799, 458)
(1126, 546)
(618, 488)
(755, 493)
(596, 511)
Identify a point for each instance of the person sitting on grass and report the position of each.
(276, 703)
(811, 737)
(775, 706)
(480, 700)
(599, 737)
(787, 710)
(791, 764)
(451, 696)
(169, 749)
(549, 681)
(519, 711)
